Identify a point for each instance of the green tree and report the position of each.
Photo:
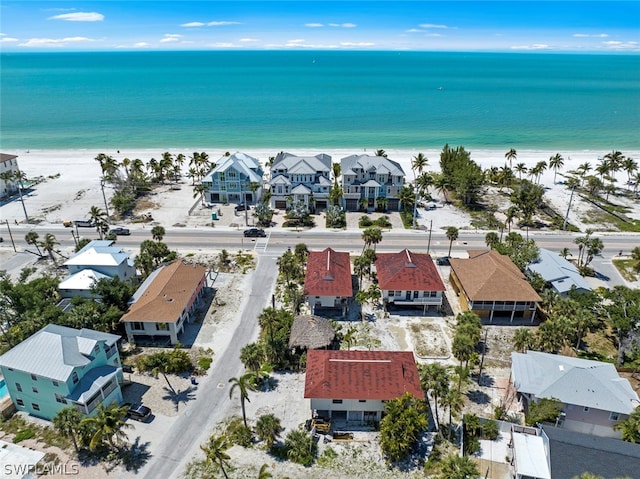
(543, 410)
(244, 384)
(404, 421)
(556, 162)
(465, 175)
(434, 378)
(99, 218)
(511, 155)
(158, 232)
(49, 244)
(458, 467)
(67, 423)
(630, 427)
(371, 236)
(491, 239)
(106, 425)
(526, 198)
(300, 447)
(452, 235)
(114, 292)
(20, 176)
(199, 191)
(621, 307)
(32, 238)
(215, 453)
(454, 402)
(268, 429)
(523, 339)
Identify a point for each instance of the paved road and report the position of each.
(182, 441)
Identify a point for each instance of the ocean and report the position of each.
(319, 99)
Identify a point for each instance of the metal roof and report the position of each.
(562, 274)
(366, 162)
(54, 351)
(82, 280)
(581, 382)
(98, 253)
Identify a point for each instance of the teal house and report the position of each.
(60, 366)
(233, 178)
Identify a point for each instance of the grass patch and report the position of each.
(613, 223)
(600, 346)
(23, 430)
(625, 268)
(428, 340)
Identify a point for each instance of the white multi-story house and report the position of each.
(300, 179)
(102, 256)
(233, 178)
(353, 386)
(369, 178)
(60, 366)
(8, 167)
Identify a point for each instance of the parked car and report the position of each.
(444, 261)
(254, 233)
(242, 207)
(84, 223)
(1, 239)
(67, 223)
(120, 231)
(138, 412)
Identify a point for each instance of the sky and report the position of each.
(502, 26)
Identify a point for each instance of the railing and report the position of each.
(427, 301)
(500, 307)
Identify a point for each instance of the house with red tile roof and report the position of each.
(165, 302)
(327, 282)
(492, 286)
(352, 386)
(409, 279)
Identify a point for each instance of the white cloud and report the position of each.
(433, 25)
(414, 30)
(434, 35)
(79, 17)
(314, 25)
(170, 38)
(5, 39)
(221, 24)
(297, 40)
(141, 44)
(343, 25)
(248, 40)
(357, 44)
(586, 35)
(192, 24)
(534, 46)
(224, 45)
(617, 45)
(54, 42)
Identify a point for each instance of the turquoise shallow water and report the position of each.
(319, 99)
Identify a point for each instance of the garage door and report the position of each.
(282, 205)
(351, 205)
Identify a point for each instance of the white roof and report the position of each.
(531, 456)
(82, 280)
(302, 164)
(98, 253)
(581, 382)
(242, 163)
(54, 351)
(280, 180)
(301, 190)
(15, 460)
(367, 163)
(556, 270)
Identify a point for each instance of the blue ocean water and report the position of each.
(319, 99)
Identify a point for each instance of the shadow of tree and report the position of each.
(135, 455)
(478, 397)
(131, 456)
(179, 396)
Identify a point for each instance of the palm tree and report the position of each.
(418, 163)
(337, 170)
(20, 176)
(458, 467)
(199, 190)
(49, 245)
(32, 238)
(407, 197)
(511, 155)
(382, 203)
(381, 153)
(107, 424)
(491, 239)
(510, 215)
(371, 236)
(521, 168)
(157, 232)
(442, 185)
(100, 219)
(615, 159)
(215, 453)
(453, 401)
(244, 384)
(523, 339)
(67, 423)
(435, 380)
(556, 162)
(635, 256)
(565, 252)
(630, 427)
(452, 235)
(268, 428)
(630, 166)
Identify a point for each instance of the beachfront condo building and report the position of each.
(8, 168)
(60, 366)
(300, 180)
(235, 179)
(367, 179)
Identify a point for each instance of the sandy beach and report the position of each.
(72, 182)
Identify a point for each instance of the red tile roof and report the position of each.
(490, 276)
(168, 294)
(378, 375)
(328, 274)
(407, 271)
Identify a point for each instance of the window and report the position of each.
(415, 294)
(55, 383)
(614, 416)
(34, 389)
(96, 349)
(586, 409)
(34, 377)
(337, 401)
(74, 377)
(162, 326)
(362, 400)
(35, 406)
(60, 399)
(19, 402)
(137, 326)
(19, 387)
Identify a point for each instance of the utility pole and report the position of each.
(429, 242)
(11, 236)
(484, 350)
(566, 217)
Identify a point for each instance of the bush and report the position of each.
(490, 430)
(23, 435)
(169, 362)
(545, 410)
(204, 363)
(300, 446)
(238, 433)
(383, 222)
(364, 221)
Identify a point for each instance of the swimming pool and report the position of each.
(3, 388)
